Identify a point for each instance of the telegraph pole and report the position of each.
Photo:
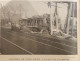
(51, 19)
(73, 18)
(56, 15)
(1, 46)
(0, 12)
(69, 16)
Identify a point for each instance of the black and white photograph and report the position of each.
(38, 27)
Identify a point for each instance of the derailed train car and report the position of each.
(36, 24)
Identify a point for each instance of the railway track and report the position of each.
(55, 45)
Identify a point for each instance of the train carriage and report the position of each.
(36, 24)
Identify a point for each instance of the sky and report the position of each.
(4, 1)
(42, 8)
(35, 5)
